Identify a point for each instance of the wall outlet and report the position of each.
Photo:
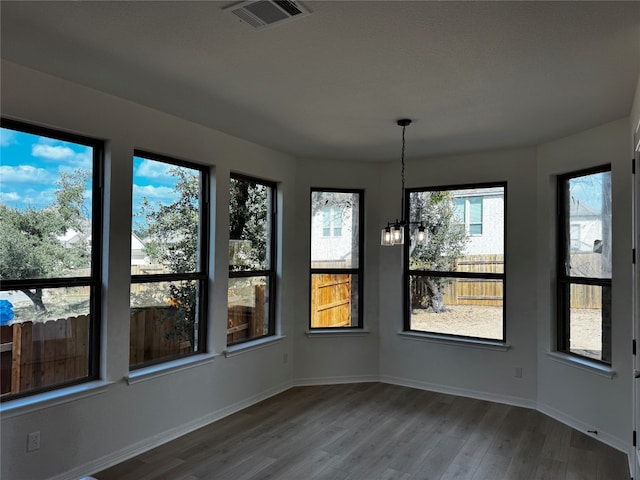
(33, 441)
(518, 372)
(285, 358)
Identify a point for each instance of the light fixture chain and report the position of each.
(402, 219)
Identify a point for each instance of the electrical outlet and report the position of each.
(33, 441)
(285, 358)
(518, 372)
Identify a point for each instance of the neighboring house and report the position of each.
(481, 211)
(138, 255)
(332, 228)
(586, 228)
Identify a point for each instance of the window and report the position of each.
(469, 213)
(169, 259)
(454, 282)
(584, 264)
(50, 224)
(252, 250)
(336, 258)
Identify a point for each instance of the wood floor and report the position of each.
(376, 431)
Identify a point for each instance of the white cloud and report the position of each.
(152, 169)
(153, 193)
(7, 137)
(9, 197)
(23, 174)
(52, 152)
(49, 149)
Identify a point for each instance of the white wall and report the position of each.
(90, 432)
(122, 419)
(466, 370)
(349, 357)
(580, 396)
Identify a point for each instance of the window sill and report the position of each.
(582, 364)
(41, 401)
(252, 345)
(337, 332)
(168, 368)
(456, 341)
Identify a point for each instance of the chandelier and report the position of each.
(394, 232)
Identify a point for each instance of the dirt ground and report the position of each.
(486, 322)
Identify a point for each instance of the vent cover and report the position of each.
(263, 14)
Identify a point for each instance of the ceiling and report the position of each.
(472, 75)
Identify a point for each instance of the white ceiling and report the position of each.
(473, 75)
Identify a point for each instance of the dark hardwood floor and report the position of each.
(376, 431)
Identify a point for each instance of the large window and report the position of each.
(252, 249)
(336, 258)
(169, 259)
(584, 264)
(50, 232)
(454, 281)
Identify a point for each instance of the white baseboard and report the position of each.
(604, 437)
(166, 436)
(306, 382)
(461, 392)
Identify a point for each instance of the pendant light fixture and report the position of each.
(394, 232)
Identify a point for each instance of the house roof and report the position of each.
(473, 75)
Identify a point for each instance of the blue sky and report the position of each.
(30, 166)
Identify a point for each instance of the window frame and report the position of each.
(408, 272)
(201, 276)
(270, 273)
(564, 281)
(359, 271)
(94, 280)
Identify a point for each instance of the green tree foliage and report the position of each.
(445, 244)
(249, 221)
(30, 245)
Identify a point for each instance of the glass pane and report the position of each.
(45, 337)
(335, 233)
(334, 300)
(45, 207)
(457, 306)
(248, 315)
(590, 321)
(165, 218)
(451, 246)
(164, 321)
(250, 225)
(589, 225)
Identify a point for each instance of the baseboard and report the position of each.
(604, 437)
(166, 436)
(461, 392)
(307, 382)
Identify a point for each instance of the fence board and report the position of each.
(331, 302)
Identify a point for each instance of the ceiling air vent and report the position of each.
(267, 13)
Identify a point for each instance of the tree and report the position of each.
(249, 224)
(173, 234)
(30, 245)
(445, 244)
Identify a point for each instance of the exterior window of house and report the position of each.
(584, 264)
(50, 235)
(454, 282)
(468, 211)
(336, 258)
(252, 251)
(331, 221)
(169, 259)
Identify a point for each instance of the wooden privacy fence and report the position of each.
(155, 335)
(245, 321)
(43, 354)
(330, 300)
